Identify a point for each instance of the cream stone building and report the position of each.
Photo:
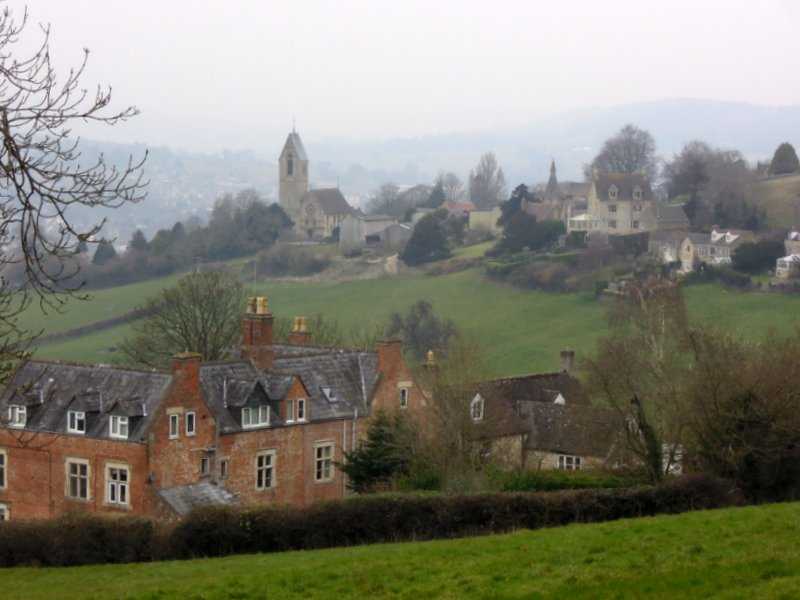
(618, 203)
(316, 213)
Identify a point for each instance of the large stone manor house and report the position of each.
(316, 212)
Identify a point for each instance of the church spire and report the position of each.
(551, 191)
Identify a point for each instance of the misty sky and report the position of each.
(233, 74)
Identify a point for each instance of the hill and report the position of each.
(780, 198)
(733, 553)
(521, 331)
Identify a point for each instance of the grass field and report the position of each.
(780, 198)
(735, 553)
(523, 331)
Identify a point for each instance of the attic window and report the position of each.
(612, 192)
(476, 408)
(256, 416)
(301, 409)
(637, 193)
(76, 421)
(118, 427)
(17, 415)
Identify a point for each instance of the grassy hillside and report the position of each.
(735, 553)
(780, 197)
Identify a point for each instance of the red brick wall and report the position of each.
(36, 474)
(394, 374)
(177, 461)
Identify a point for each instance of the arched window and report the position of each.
(290, 165)
(612, 192)
(476, 408)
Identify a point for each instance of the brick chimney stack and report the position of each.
(186, 371)
(257, 333)
(390, 356)
(300, 335)
(567, 361)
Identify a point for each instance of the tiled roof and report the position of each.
(295, 144)
(49, 389)
(183, 499)
(625, 183)
(572, 429)
(671, 214)
(330, 201)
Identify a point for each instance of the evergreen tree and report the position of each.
(428, 242)
(437, 196)
(105, 252)
(383, 455)
(138, 242)
(784, 161)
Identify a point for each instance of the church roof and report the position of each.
(294, 144)
(330, 201)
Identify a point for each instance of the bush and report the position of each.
(725, 275)
(541, 481)
(754, 257)
(214, 531)
(290, 260)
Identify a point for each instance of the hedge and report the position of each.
(362, 520)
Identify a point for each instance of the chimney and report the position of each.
(390, 355)
(186, 371)
(300, 336)
(257, 333)
(567, 361)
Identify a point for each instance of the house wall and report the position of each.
(548, 461)
(395, 375)
(485, 220)
(507, 452)
(36, 480)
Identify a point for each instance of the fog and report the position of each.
(211, 75)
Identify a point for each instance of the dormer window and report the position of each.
(330, 394)
(301, 409)
(17, 415)
(290, 411)
(118, 427)
(255, 416)
(613, 192)
(637, 193)
(76, 422)
(476, 408)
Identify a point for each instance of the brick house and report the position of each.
(266, 428)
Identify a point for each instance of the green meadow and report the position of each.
(740, 553)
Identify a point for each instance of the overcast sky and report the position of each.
(234, 73)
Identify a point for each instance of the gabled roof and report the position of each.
(674, 236)
(572, 429)
(625, 184)
(295, 145)
(183, 499)
(50, 389)
(671, 214)
(330, 201)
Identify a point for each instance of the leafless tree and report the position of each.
(43, 180)
(487, 183)
(202, 314)
(452, 186)
(631, 150)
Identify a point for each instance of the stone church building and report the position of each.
(316, 213)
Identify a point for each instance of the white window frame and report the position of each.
(323, 461)
(477, 402)
(569, 462)
(290, 410)
(613, 192)
(265, 462)
(256, 416)
(174, 426)
(302, 414)
(17, 415)
(120, 421)
(74, 419)
(403, 397)
(5, 512)
(79, 462)
(3, 469)
(118, 492)
(191, 417)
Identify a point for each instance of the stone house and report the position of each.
(715, 248)
(617, 203)
(383, 231)
(788, 267)
(543, 421)
(665, 245)
(558, 201)
(268, 427)
(316, 213)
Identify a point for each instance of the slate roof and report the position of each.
(671, 214)
(625, 182)
(330, 201)
(294, 143)
(572, 429)
(50, 388)
(673, 236)
(183, 499)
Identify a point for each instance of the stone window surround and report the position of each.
(126, 484)
(266, 467)
(3, 469)
(323, 464)
(71, 460)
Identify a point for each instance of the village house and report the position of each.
(317, 213)
(788, 267)
(268, 427)
(380, 231)
(715, 248)
(558, 201)
(543, 421)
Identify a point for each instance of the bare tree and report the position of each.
(631, 150)
(452, 186)
(43, 181)
(202, 314)
(487, 183)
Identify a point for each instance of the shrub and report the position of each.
(727, 276)
(754, 257)
(290, 260)
(541, 481)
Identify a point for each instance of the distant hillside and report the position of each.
(780, 197)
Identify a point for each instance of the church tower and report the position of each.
(293, 175)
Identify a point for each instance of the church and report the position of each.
(317, 214)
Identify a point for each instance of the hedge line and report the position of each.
(363, 520)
